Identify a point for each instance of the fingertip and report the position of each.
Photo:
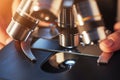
(8, 40)
(117, 26)
(104, 58)
(1, 46)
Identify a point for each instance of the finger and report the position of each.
(1, 46)
(3, 35)
(8, 40)
(117, 26)
(104, 57)
(112, 43)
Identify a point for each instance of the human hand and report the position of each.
(4, 38)
(5, 18)
(110, 45)
(7, 8)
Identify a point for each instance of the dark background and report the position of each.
(108, 9)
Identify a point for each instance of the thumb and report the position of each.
(108, 46)
(111, 43)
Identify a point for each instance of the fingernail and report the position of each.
(104, 58)
(107, 43)
(101, 60)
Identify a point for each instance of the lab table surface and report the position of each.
(14, 65)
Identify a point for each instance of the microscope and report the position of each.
(77, 22)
